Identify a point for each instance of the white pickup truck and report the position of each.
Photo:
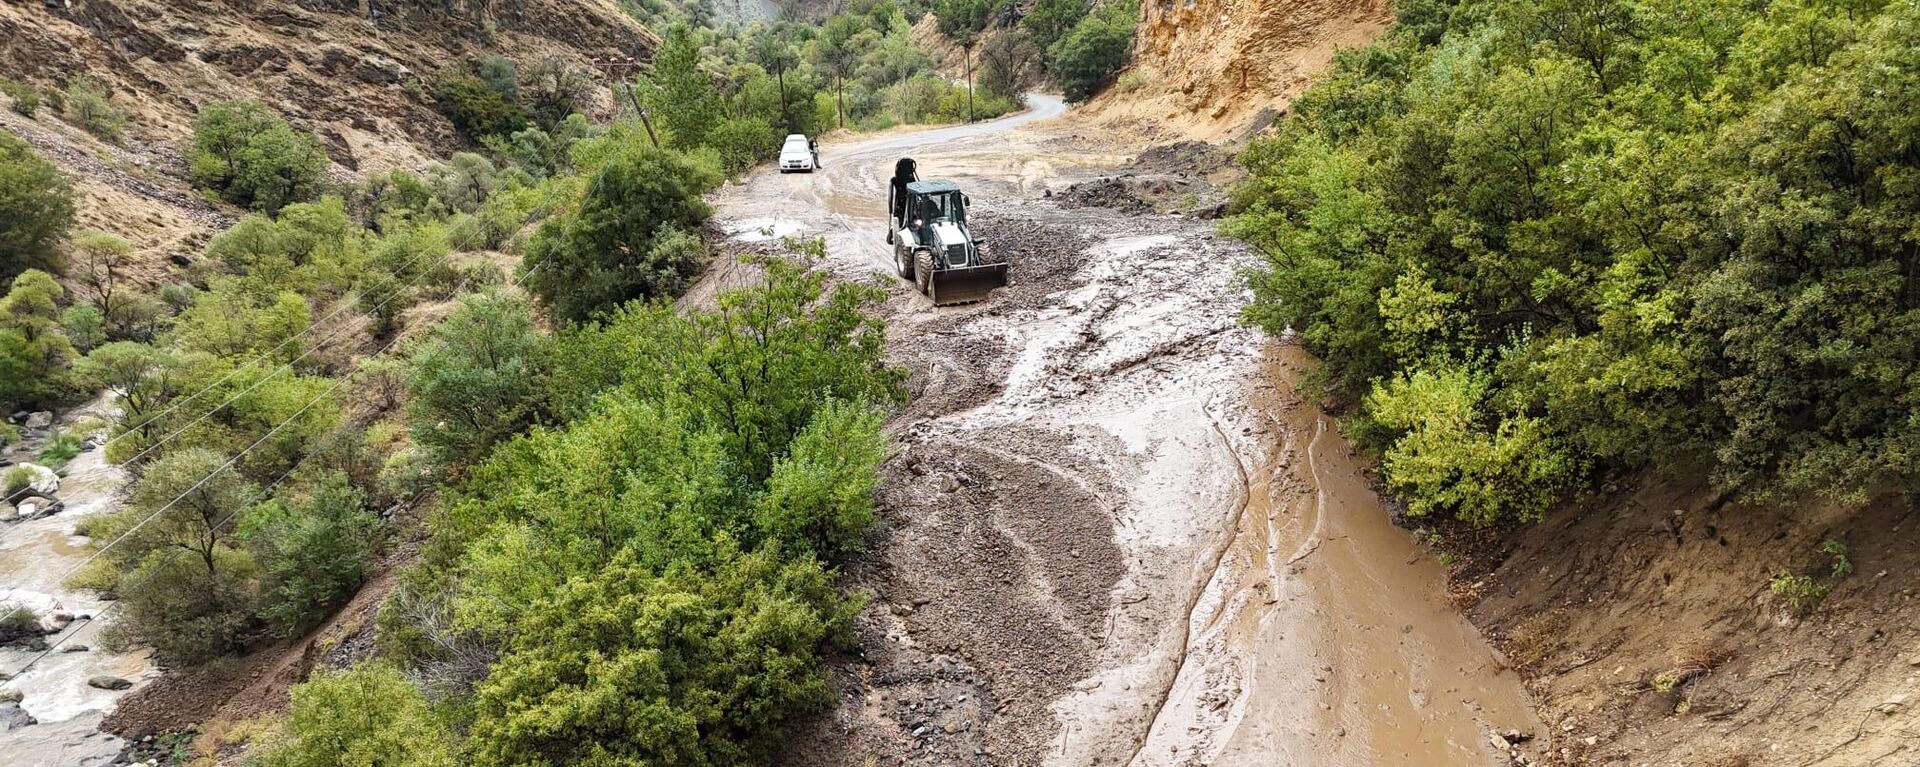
(797, 155)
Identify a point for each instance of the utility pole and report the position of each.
(966, 46)
(619, 70)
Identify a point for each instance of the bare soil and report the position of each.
(1650, 635)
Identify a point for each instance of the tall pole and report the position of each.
(619, 71)
(968, 50)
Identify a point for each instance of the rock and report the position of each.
(75, 648)
(15, 717)
(11, 695)
(1591, 740)
(41, 480)
(1499, 743)
(105, 682)
(1893, 705)
(40, 420)
(948, 484)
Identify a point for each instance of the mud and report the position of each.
(1108, 536)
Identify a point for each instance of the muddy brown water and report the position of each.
(1115, 534)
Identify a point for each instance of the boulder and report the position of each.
(13, 717)
(11, 695)
(41, 481)
(105, 682)
(40, 420)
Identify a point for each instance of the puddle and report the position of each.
(763, 229)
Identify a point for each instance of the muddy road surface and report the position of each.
(1113, 534)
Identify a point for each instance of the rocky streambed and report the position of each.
(58, 678)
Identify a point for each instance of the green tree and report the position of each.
(1050, 20)
(252, 158)
(1094, 50)
(477, 110)
(36, 208)
(312, 551)
(680, 92)
(34, 352)
(619, 245)
(183, 589)
(477, 378)
(88, 105)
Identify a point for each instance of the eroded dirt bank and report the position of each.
(1109, 537)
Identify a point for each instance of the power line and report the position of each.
(257, 384)
(263, 355)
(341, 381)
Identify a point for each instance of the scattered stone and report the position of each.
(75, 648)
(104, 682)
(1499, 743)
(1893, 705)
(39, 420)
(15, 717)
(11, 695)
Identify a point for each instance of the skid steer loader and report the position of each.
(932, 246)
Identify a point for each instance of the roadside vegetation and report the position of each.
(1540, 243)
(1077, 45)
(621, 500)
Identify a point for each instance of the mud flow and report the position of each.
(1114, 533)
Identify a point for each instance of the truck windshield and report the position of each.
(943, 206)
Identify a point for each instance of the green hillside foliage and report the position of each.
(1539, 242)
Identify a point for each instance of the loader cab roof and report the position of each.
(932, 187)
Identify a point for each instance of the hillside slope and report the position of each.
(352, 78)
(1210, 69)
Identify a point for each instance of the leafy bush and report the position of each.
(251, 157)
(620, 245)
(1801, 592)
(820, 494)
(961, 19)
(1091, 53)
(88, 105)
(182, 589)
(477, 378)
(84, 325)
(1050, 20)
(312, 551)
(26, 98)
(477, 110)
(1647, 241)
(35, 356)
(707, 663)
(366, 716)
(36, 207)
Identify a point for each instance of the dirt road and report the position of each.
(1113, 534)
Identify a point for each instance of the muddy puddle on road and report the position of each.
(1322, 636)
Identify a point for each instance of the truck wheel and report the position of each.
(923, 271)
(901, 263)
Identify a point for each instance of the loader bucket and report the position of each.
(966, 284)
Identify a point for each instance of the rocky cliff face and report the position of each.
(345, 69)
(1213, 68)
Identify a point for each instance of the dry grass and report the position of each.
(1536, 638)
